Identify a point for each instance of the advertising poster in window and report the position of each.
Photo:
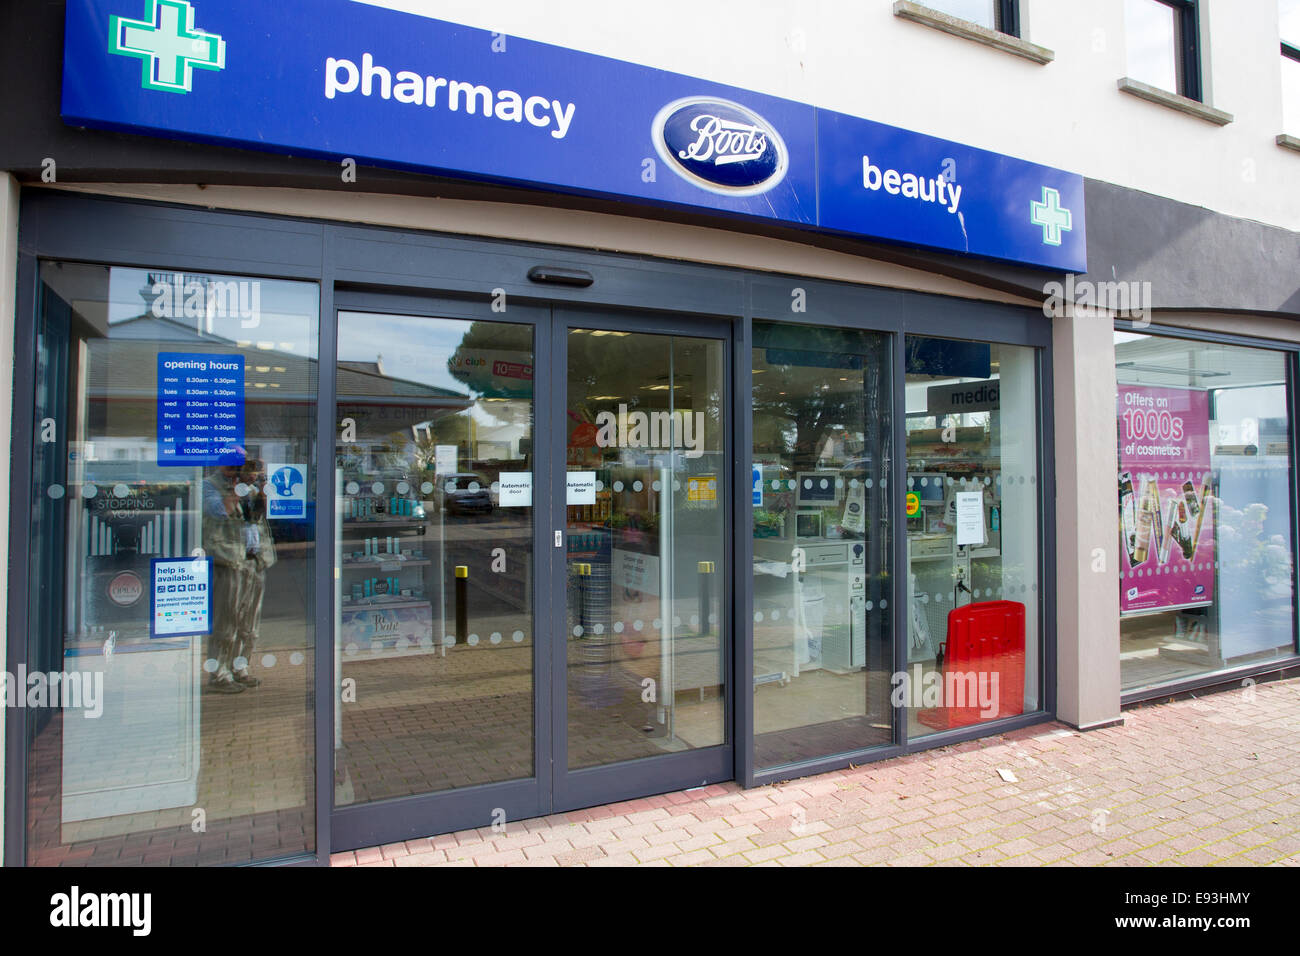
(1166, 528)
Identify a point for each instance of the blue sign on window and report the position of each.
(339, 79)
(200, 409)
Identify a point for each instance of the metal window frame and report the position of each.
(346, 258)
(1008, 17)
(1187, 47)
(1291, 355)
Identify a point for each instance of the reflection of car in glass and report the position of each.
(465, 493)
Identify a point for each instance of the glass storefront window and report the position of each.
(972, 534)
(1205, 497)
(173, 551)
(434, 524)
(822, 615)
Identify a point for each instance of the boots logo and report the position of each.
(720, 146)
(168, 44)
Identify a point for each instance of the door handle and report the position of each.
(559, 539)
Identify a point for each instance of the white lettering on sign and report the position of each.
(344, 76)
(911, 186)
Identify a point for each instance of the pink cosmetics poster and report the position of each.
(1165, 501)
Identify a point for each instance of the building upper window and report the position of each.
(1163, 48)
(1289, 26)
(1000, 15)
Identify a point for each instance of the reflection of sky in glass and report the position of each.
(412, 348)
(976, 11)
(286, 321)
(1150, 33)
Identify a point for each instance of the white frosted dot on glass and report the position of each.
(448, 640)
(241, 489)
(495, 637)
(1032, 478)
(656, 624)
(677, 621)
(121, 491)
(758, 617)
(239, 663)
(695, 620)
(776, 615)
(377, 487)
(925, 599)
(449, 487)
(713, 618)
(924, 482)
(677, 485)
(884, 482)
(426, 487)
(807, 484)
(403, 488)
(825, 484)
(950, 481)
(55, 491)
(517, 637)
(352, 487)
(598, 628)
(853, 482)
(402, 644)
(776, 484)
(495, 487)
(1034, 586)
(986, 479)
(618, 486)
(867, 483)
(638, 625)
(657, 487)
(376, 647)
(210, 665)
(296, 658)
(600, 485)
(426, 642)
(791, 484)
(268, 660)
(618, 627)
(938, 597)
(474, 486)
(472, 640)
(870, 605)
(577, 630)
(637, 486)
(89, 491)
(910, 481)
(884, 604)
(839, 482)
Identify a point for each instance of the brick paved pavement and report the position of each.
(1197, 782)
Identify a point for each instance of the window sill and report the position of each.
(1183, 104)
(1287, 141)
(919, 13)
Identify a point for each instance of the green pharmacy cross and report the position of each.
(168, 44)
(1051, 216)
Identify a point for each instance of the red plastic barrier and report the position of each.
(983, 639)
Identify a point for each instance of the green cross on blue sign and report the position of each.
(1051, 216)
(168, 44)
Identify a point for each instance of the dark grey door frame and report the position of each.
(658, 774)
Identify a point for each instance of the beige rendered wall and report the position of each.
(8, 294)
(1087, 530)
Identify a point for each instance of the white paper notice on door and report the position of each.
(516, 489)
(581, 488)
(970, 517)
(445, 459)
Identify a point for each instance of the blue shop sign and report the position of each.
(338, 79)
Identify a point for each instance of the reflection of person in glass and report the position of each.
(238, 539)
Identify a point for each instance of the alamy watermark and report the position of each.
(921, 688)
(1084, 298)
(81, 690)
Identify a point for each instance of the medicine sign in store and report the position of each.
(339, 79)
